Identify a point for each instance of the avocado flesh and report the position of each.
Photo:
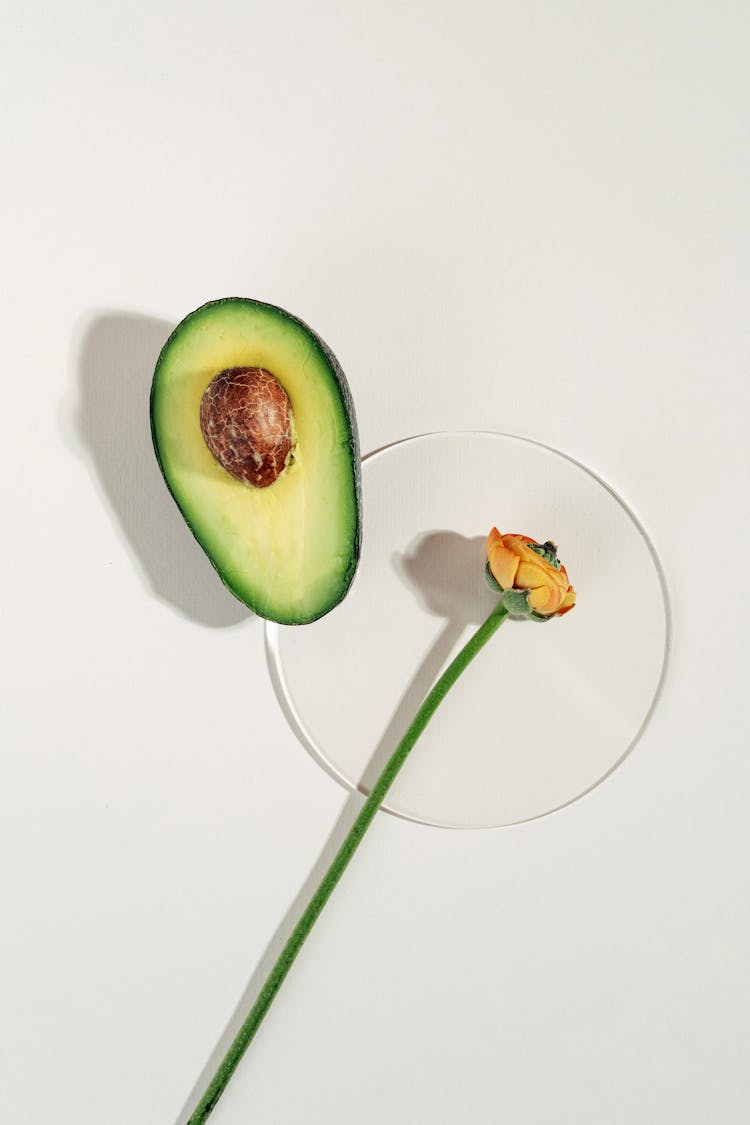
(288, 551)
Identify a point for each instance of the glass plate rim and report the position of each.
(284, 698)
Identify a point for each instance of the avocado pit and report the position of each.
(246, 422)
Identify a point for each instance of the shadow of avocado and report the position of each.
(445, 571)
(117, 355)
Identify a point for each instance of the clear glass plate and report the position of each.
(547, 710)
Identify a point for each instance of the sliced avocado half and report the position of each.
(288, 550)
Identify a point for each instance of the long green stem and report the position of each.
(288, 954)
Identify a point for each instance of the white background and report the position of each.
(522, 217)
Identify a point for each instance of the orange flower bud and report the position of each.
(518, 563)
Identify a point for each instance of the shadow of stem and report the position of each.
(442, 569)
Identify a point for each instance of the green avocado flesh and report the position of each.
(288, 551)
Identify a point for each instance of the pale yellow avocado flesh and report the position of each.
(288, 551)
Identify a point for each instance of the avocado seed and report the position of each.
(246, 422)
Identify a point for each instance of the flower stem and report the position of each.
(341, 860)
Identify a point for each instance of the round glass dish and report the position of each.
(547, 710)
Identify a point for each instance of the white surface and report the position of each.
(529, 218)
(545, 714)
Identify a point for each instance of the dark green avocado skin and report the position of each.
(353, 442)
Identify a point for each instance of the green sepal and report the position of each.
(517, 603)
(491, 580)
(547, 551)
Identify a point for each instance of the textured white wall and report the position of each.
(530, 218)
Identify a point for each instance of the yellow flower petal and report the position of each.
(568, 602)
(517, 544)
(503, 566)
(493, 539)
(545, 599)
(530, 574)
